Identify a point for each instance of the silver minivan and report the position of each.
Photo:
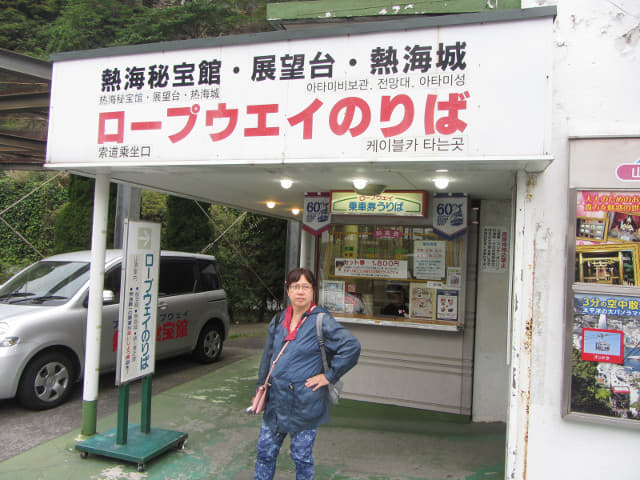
(43, 313)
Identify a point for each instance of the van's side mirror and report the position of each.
(108, 297)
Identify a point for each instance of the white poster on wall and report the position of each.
(494, 249)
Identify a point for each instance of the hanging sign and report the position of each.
(396, 203)
(450, 214)
(138, 301)
(315, 218)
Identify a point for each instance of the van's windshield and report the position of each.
(47, 282)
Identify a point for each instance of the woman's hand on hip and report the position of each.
(316, 382)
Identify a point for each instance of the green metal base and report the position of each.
(140, 447)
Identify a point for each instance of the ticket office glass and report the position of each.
(392, 271)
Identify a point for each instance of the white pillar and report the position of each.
(94, 313)
(521, 329)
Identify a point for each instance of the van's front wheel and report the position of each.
(46, 382)
(209, 346)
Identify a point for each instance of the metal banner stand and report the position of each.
(131, 442)
(136, 331)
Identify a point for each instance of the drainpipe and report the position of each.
(521, 329)
(94, 313)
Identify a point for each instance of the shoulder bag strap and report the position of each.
(320, 334)
(274, 362)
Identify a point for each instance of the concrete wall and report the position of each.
(490, 358)
(595, 78)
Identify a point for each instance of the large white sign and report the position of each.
(138, 302)
(447, 92)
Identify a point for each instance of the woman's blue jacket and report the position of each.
(291, 406)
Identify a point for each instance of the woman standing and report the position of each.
(298, 397)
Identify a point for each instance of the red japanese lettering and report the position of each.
(387, 108)
(349, 106)
(182, 327)
(451, 123)
(191, 113)
(118, 136)
(262, 130)
(306, 117)
(222, 112)
(168, 331)
(114, 340)
(429, 111)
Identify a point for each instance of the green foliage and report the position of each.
(586, 396)
(23, 24)
(34, 217)
(251, 256)
(153, 208)
(75, 219)
(188, 228)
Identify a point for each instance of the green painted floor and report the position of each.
(364, 441)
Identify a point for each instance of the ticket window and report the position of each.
(392, 273)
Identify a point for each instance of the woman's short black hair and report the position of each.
(295, 274)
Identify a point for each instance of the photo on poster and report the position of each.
(592, 229)
(421, 301)
(447, 305)
(623, 227)
(608, 264)
(599, 345)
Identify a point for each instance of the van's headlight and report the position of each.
(4, 340)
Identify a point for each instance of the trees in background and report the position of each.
(251, 255)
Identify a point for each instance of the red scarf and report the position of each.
(288, 313)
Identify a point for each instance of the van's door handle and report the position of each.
(163, 306)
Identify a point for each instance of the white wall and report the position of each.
(490, 358)
(595, 77)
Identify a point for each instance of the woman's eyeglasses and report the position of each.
(304, 287)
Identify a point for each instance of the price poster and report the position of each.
(429, 259)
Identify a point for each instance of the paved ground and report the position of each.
(364, 441)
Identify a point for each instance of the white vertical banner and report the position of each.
(138, 301)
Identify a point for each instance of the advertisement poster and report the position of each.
(430, 259)
(607, 241)
(494, 250)
(454, 277)
(447, 305)
(138, 302)
(421, 301)
(605, 375)
(368, 268)
(333, 295)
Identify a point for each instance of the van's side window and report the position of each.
(177, 276)
(208, 278)
(112, 281)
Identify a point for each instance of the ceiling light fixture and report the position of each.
(271, 204)
(286, 183)
(359, 183)
(441, 182)
(295, 211)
